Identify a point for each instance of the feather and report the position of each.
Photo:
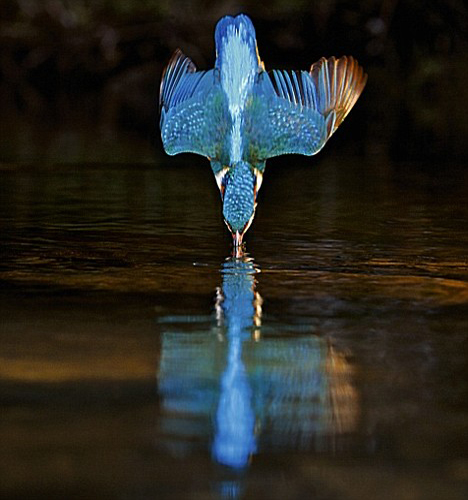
(340, 83)
(192, 109)
(298, 111)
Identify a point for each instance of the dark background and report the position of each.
(93, 67)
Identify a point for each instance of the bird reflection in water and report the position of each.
(239, 307)
(245, 386)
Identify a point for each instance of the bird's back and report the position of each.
(238, 65)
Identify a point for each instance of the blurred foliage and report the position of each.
(102, 60)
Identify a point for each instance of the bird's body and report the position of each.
(238, 115)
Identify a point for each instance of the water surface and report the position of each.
(139, 360)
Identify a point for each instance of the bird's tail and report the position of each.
(235, 29)
(338, 84)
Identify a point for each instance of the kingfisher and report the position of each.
(238, 114)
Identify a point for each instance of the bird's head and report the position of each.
(239, 185)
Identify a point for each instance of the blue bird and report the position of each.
(238, 115)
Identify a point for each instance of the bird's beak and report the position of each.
(237, 239)
(237, 247)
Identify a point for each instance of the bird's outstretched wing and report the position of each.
(297, 112)
(194, 116)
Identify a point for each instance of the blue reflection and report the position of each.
(229, 490)
(225, 387)
(234, 440)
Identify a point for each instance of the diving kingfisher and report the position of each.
(238, 115)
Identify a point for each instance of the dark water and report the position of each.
(138, 360)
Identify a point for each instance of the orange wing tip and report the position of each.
(340, 83)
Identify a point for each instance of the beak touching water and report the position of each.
(237, 238)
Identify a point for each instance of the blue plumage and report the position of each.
(239, 204)
(238, 115)
(239, 27)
